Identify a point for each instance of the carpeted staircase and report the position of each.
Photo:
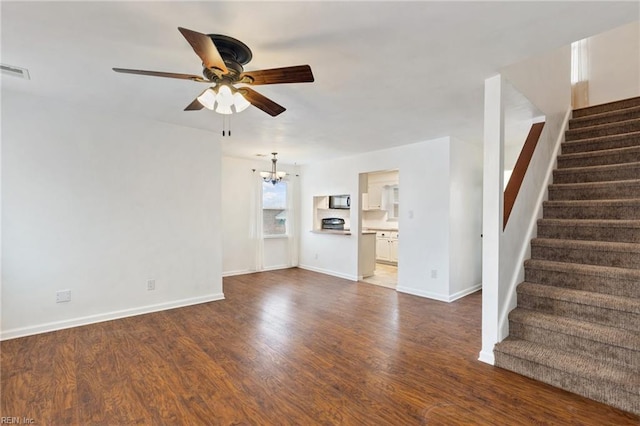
(577, 322)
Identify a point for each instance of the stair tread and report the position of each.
(604, 126)
(614, 105)
(573, 363)
(587, 245)
(597, 184)
(584, 269)
(600, 300)
(600, 139)
(621, 202)
(600, 167)
(599, 153)
(611, 113)
(613, 336)
(609, 223)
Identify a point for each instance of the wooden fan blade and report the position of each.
(295, 74)
(205, 49)
(194, 106)
(163, 74)
(261, 102)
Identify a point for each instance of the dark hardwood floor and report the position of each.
(289, 347)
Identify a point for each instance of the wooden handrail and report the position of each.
(517, 176)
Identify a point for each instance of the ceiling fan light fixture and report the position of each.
(240, 102)
(224, 96)
(208, 98)
(224, 109)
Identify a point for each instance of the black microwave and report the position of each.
(339, 202)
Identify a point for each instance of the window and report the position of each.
(274, 209)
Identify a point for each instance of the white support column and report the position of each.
(492, 211)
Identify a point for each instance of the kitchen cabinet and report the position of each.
(374, 197)
(387, 247)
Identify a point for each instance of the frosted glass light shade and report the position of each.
(224, 97)
(208, 98)
(240, 102)
(223, 109)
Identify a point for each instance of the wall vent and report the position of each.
(15, 71)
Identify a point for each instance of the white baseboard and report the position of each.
(487, 357)
(328, 272)
(253, 271)
(107, 316)
(465, 292)
(238, 272)
(438, 296)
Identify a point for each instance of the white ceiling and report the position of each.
(387, 73)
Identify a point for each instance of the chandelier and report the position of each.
(221, 98)
(273, 176)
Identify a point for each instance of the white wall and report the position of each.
(99, 204)
(465, 217)
(424, 245)
(238, 243)
(545, 81)
(614, 64)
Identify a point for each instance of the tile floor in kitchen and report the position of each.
(384, 276)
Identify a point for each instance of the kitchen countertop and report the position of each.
(339, 232)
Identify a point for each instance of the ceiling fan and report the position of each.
(223, 58)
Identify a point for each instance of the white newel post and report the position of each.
(492, 211)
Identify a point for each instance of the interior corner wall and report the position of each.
(614, 64)
(424, 218)
(465, 226)
(99, 204)
(238, 244)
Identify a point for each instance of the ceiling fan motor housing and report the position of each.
(234, 53)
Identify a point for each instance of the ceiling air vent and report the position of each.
(15, 71)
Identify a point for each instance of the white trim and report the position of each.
(274, 236)
(328, 272)
(422, 293)
(238, 272)
(437, 296)
(487, 357)
(276, 267)
(467, 291)
(511, 294)
(107, 316)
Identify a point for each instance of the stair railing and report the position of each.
(519, 170)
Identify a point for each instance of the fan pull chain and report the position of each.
(226, 125)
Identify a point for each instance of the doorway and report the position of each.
(379, 222)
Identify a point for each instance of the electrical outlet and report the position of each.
(434, 273)
(63, 296)
(151, 285)
(316, 256)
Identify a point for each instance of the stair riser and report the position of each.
(595, 314)
(613, 106)
(594, 233)
(599, 192)
(598, 284)
(611, 117)
(628, 156)
(607, 393)
(592, 145)
(569, 343)
(604, 130)
(628, 212)
(583, 176)
(616, 259)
